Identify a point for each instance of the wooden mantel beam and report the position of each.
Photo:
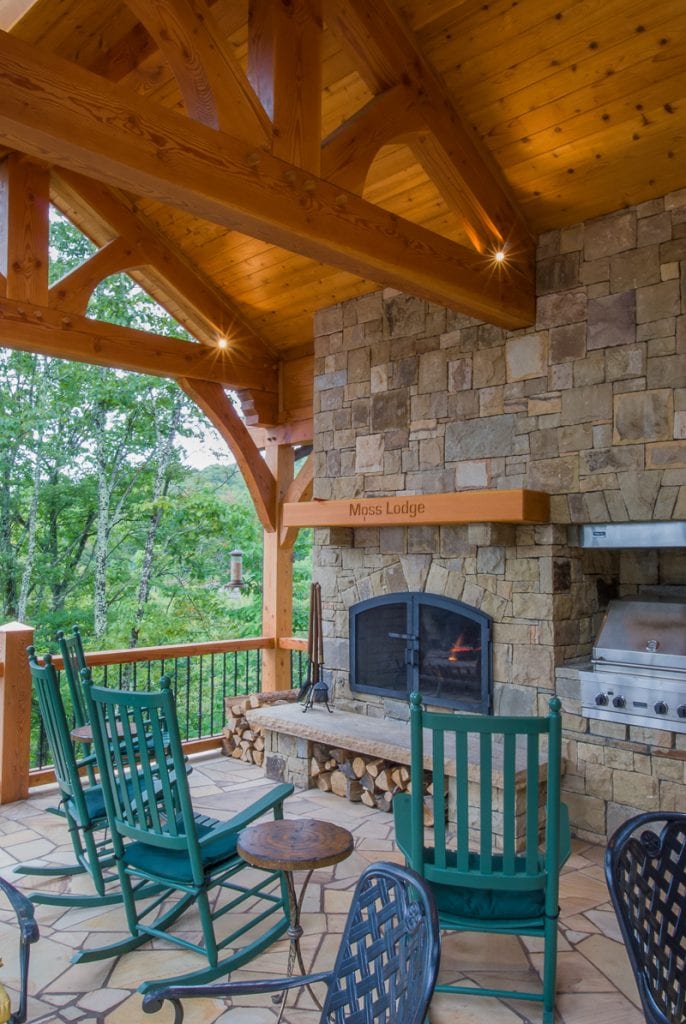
(34, 328)
(63, 114)
(511, 506)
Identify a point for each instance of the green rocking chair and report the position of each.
(74, 659)
(482, 856)
(164, 844)
(81, 803)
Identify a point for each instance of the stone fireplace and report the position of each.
(588, 406)
(415, 641)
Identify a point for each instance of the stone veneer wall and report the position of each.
(590, 406)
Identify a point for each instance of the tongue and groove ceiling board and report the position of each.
(334, 146)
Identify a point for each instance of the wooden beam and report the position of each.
(348, 152)
(220, 316)
(386, 53)
(15, 712)
(33, 328)
(259, 480)
(73, 118)
(204, 311)
(26, 201)
(513, 506)
(284, 66)
(277, 578)
(300, 489)
(213, 85)
(294, 433)
(73, 291)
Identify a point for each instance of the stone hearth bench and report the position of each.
(291, 733)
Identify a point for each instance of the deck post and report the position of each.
(15, 711)
(277, 593)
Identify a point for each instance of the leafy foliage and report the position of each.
(86, 487)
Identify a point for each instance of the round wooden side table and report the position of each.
(290, 845)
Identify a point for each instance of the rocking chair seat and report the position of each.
(479, 902)
(175, 865)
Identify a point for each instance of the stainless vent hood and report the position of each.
(669, 534)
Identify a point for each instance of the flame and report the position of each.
(460, 647)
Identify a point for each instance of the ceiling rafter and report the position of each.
(215, 90)
(387, 54)
(209, 315)
(75, 119)
(284, 65)
(218, 408)
(348, 152)
(51, 332)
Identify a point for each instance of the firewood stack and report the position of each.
(240, 739)
(369, 780)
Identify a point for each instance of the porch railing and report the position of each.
(203, 675)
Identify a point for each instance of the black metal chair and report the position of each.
(28, 934)
(387, 963)
(645, 868)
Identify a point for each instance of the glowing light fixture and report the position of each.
(499, 256)
(222, 343)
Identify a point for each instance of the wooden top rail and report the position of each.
(135, 654)
(291, 643)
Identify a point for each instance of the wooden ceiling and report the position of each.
(253, 163)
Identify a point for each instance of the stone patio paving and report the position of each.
(595, 985)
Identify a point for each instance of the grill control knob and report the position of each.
(619, 701)
(601, 699)
(661, 708)
(681, 711)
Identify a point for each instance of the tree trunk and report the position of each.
(31, 539)
(165, 454)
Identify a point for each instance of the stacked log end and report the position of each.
(240, 740)
(362, 779)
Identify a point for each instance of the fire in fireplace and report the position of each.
(416, 641)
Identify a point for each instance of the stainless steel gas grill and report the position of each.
(639, 666)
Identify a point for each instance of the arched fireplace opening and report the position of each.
(415, 641)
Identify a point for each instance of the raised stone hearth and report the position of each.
(589, 406)
(291, 734)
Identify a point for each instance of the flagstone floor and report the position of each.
(595, 985)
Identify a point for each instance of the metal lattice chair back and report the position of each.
(386, 967)
(645, 870)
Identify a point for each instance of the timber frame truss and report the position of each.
(246, 154)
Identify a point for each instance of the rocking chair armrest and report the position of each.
(84, 762)
(273, 800)
(23, 908)
(154, 997)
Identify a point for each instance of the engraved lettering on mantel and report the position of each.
(403, 509)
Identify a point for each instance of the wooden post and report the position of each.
(15, 711)
(277, 593)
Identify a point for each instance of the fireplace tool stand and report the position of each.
(314, 690)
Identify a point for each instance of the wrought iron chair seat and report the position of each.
(488, 872)
(645, 869)
(386, 967)
(28, 934)
(164, 844)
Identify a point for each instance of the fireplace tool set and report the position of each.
(314, 690)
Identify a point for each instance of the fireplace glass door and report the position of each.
(416, 641)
